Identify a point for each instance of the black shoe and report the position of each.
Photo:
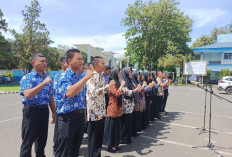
(111, 150)
(158, 117)
(118, 148)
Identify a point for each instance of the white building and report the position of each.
(91, 51)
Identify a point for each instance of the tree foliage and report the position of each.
(7, 58)
(155, 29)
(224, 72)
(178, 60)
(34, 38)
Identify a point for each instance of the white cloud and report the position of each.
(114, 42)
(120, 53)
(202, 17)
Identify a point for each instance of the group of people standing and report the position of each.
(111, 105)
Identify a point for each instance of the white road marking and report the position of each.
(7, 120)
(179, 144)
(200, 114)
(193, 127)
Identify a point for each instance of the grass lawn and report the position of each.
(9, 88)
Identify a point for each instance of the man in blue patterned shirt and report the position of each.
(70, 101)
(64, 66)
(37, 91)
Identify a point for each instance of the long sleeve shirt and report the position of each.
(113, 109)
(143, 91)
(63, 103)
(32, 80)
(127, 104)
(95, 97)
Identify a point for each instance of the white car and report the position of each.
(225, 84)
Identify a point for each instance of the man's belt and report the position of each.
(37, 105)
(78, 111)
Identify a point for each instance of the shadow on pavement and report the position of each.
(140, 144)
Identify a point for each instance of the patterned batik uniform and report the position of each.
(95, 97)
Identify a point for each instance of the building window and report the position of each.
(228, 56)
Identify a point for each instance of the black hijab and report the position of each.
(146, 75)
(137, 95)
(140, 80)
(134, 77)
(114, 76)
(125, 76)
(150, 77)
(153, 76)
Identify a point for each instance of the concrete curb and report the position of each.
(1, 93)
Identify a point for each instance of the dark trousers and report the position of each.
(55, 136)
(164, 100)
(158, 104)
(95, 137)
(70, 132)
(34, 129)
(126, 128)
(135, 122)
(148, 110)
(144, 119)
(152, 109)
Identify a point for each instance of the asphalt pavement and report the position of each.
(172, 136)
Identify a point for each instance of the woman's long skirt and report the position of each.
(112, 132)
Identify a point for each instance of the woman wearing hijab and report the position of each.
(147, 99)
(136, 115)
(153, 96)
(114, 113)
(145, 88)
(127, 105)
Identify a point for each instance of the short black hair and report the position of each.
(70, 53)
(96, 60)
(107, 67)
(35, 56)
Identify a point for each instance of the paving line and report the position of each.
(7, 120)
(180, 144)
(200, 114)
(193, 127)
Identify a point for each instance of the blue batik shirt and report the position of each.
(163, 81)
(106, 78)
(64, 104)
(156, 86)
(56, 78)
(32, 80)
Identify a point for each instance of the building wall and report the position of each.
(212, 57)
(226, 61)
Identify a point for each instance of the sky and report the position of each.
(98, 22)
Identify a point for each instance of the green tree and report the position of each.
(7, 58)
(170, 61)
(224, 72)
(202, 41)
(34, 38)
(155, 29)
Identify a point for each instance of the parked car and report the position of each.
(225, 84)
